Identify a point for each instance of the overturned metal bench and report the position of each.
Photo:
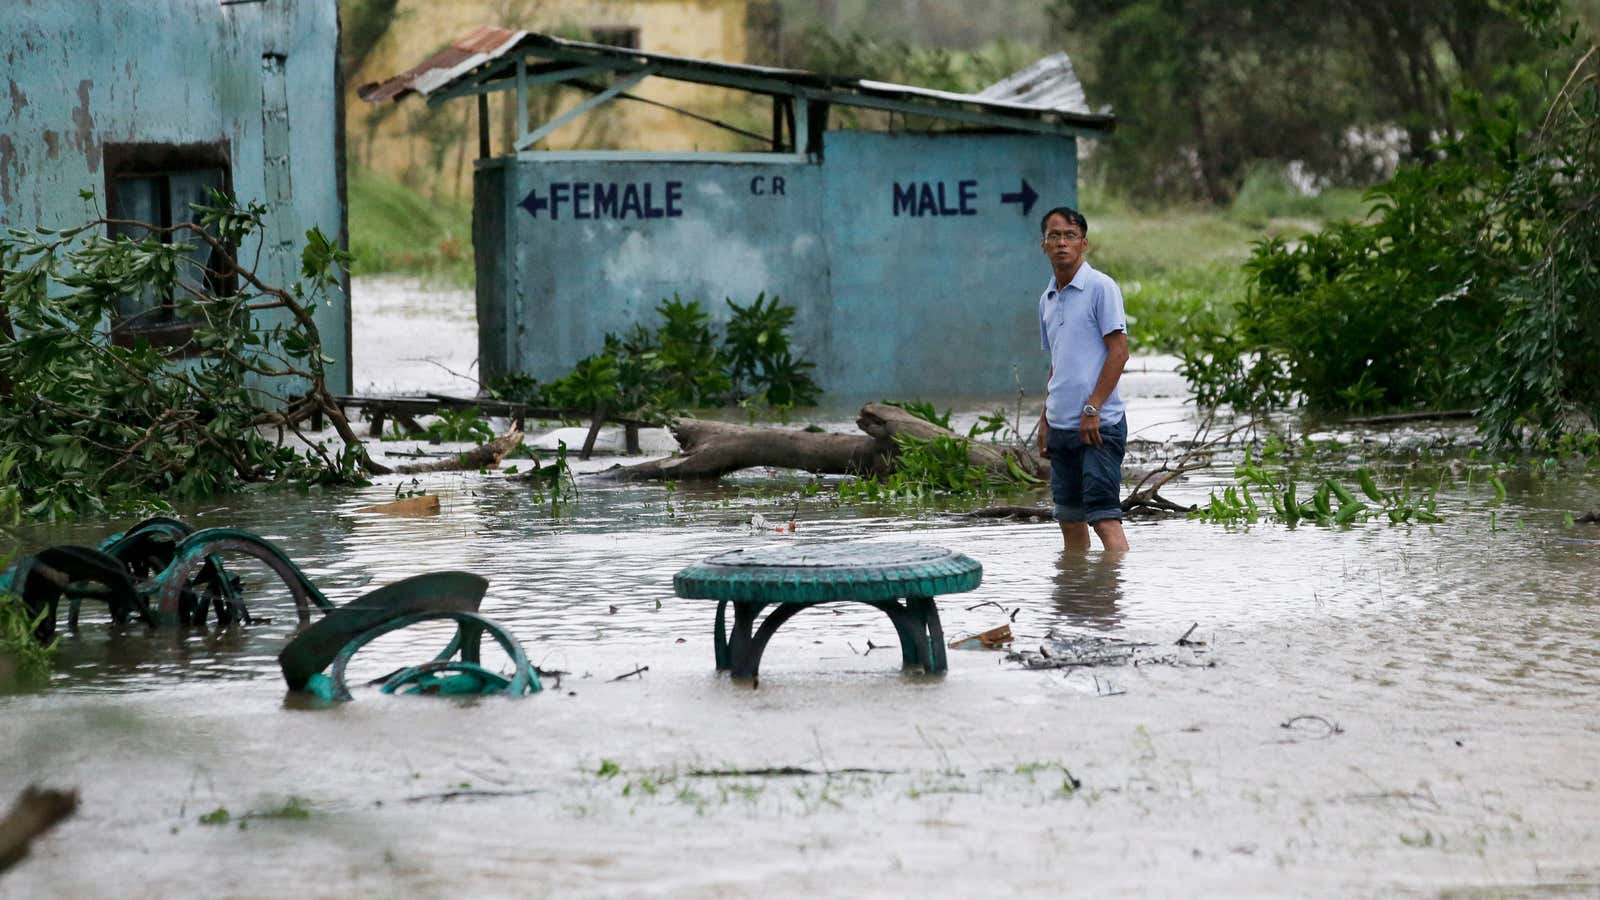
(332, 641)
(901, 580)
(161, 571)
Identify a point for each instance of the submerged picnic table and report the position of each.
(900, 579)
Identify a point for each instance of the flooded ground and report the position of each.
(1438, 684)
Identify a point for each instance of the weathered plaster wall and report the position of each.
(435, 147)
(911, 271)
(82, 73)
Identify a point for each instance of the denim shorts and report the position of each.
(1086, 482)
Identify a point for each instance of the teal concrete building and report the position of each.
(912, 256)
(150, 105)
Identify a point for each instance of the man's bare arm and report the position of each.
(1110, 373)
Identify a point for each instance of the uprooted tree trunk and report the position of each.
(713, 449)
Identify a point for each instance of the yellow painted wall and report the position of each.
(433, 148)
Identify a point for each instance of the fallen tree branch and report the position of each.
(486, 456)
(886, 423)
(713, 449)
(36, 811)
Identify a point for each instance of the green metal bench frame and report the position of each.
(899, 580)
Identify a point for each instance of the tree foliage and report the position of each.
(1476, 281)
(92, 423)
(1205, 89)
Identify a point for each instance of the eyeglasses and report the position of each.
(1061, 237)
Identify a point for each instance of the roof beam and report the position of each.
(529, 138)
(503, 78)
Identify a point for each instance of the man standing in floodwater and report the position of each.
(1082, 430)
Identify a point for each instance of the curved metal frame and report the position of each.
(79, 565)
(196, 550)
(470, 628)
(916, 622)
(148, 549)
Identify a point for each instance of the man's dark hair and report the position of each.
(1072, 216)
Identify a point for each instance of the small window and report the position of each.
(159, 184)
(624, 36)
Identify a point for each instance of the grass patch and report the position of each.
(395, 229)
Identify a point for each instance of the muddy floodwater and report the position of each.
(1375, 711)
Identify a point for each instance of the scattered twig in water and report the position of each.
(639, 671)
(447, 796)
(1185, 642)
(779, 771)
(1331, 728)
(986, 603)
(871, 647)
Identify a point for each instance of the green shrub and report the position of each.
(682, 364)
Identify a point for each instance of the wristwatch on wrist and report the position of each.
(1089, 410)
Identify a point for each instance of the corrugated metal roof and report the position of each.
(1050, 83)
(484, 44)
(1048, 88)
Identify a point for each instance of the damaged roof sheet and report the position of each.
(1048, 89)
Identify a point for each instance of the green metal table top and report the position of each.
(822, 573)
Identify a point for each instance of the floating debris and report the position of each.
(1093, 650)
(425, 505)
(993, 639)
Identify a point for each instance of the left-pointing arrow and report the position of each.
(1026, 197)
(533, 203)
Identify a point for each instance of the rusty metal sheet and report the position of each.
(1047, 88)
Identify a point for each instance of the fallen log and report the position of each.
(885, 423)
(486, 456)
(35, 812)
(713, 449)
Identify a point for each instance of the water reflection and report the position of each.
(1088, 588)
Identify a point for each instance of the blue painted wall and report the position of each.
(82, 73)
(910, 259)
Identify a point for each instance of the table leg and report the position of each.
(750, 665)
(744, 617)
(719, 638)
(931, 636)
(906, 627)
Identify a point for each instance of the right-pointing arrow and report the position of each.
(1026, 197)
